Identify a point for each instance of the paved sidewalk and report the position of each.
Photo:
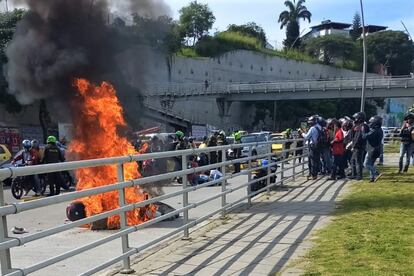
(256, 241)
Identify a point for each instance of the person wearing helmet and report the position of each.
(358, 145)
(221, 141)
(346, 125)
(212, 142)
(181, 141)
(325, 147)
(311, 138)
(53, 154)
(191, 143)
(237, 151)
(407, 141)
(24, 154)
(288, 136)
(338, 150)
(374, 140)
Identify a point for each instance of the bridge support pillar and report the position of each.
(223, 107)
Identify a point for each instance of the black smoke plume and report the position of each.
(58, 40)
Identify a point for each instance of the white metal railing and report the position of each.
(199, 89)
(7, 242)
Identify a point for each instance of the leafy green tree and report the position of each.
(290, 19)
(196, 20)
(356, 30)
(393, 49)
(8, 21)
(162, 33)
(330, 48)
(250, 29)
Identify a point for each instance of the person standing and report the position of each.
(325, 147)
(374, 141)
(407, 141)
(52, 155)
(237, 151)
(358, 145)
(338, 150)
(311, 138)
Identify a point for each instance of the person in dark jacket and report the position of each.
(53, 154)
(407, 141)
(358, 145)
(374, 142)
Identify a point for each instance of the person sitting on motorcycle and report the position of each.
(53, 154)
(29, 156)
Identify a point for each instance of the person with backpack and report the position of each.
(312, 140)
(358, 145)
(407, 141)
(325, 147)
(338, 150)
(374, 141)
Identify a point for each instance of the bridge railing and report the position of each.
(200, 89)
(250, 154)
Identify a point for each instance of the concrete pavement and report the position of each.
(256, 241)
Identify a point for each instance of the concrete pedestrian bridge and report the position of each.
(377, 87)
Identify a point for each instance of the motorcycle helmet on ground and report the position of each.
(359, 117)
(375, 121)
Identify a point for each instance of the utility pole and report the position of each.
(364, 70)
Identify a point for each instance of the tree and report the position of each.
(196, 20)
(356, 30)
(8, 21)
(290, 19)
(393, 49)
(330, 48)
(250, 29)
(162, 33)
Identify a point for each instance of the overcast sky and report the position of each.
(265, 13)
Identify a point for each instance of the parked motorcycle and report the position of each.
(22, 185)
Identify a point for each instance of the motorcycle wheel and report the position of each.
(17, 188)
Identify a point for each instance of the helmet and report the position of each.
(34, 143)
(375, 121)
(313, 120)
(408, 116)
(359, 117)
(26, 144)
(333, 122)
(186, 139)
(265, 162)
(190, 139)
(179, 134)
(51, 139)
(237, 136)
(222, 133)
(205, 138)
(322, 122)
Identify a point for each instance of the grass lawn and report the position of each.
(372, 232)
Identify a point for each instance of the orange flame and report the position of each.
(96, 136)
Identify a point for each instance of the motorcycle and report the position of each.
(22, 185)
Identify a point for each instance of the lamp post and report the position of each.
(364, 70)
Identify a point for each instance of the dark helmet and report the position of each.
(408, 116)
(322, 122)
(333, 122)
(375, 121)
(191, 139)
(205, 138)
(35, 144)
(359, 117)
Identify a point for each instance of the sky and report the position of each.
(265, 13)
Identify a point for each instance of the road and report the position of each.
(54, 215)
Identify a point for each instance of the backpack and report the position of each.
(322, 140)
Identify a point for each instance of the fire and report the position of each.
(96, 136)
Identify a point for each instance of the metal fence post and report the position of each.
(282, 173)
(249, 177)
(126, 269)
(223, 183)
(269, 170)
(185, 195)
(294, 166)
(5, 258)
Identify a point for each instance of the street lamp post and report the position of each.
(364, 70)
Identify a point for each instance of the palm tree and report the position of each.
(290, 20)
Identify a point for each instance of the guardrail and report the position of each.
(214, 89)
(6, 242)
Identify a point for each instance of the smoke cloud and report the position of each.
(58, 40)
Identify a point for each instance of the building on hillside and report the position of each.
(328, 27)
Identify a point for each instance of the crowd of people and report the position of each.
(32, 154)
(342, 147)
